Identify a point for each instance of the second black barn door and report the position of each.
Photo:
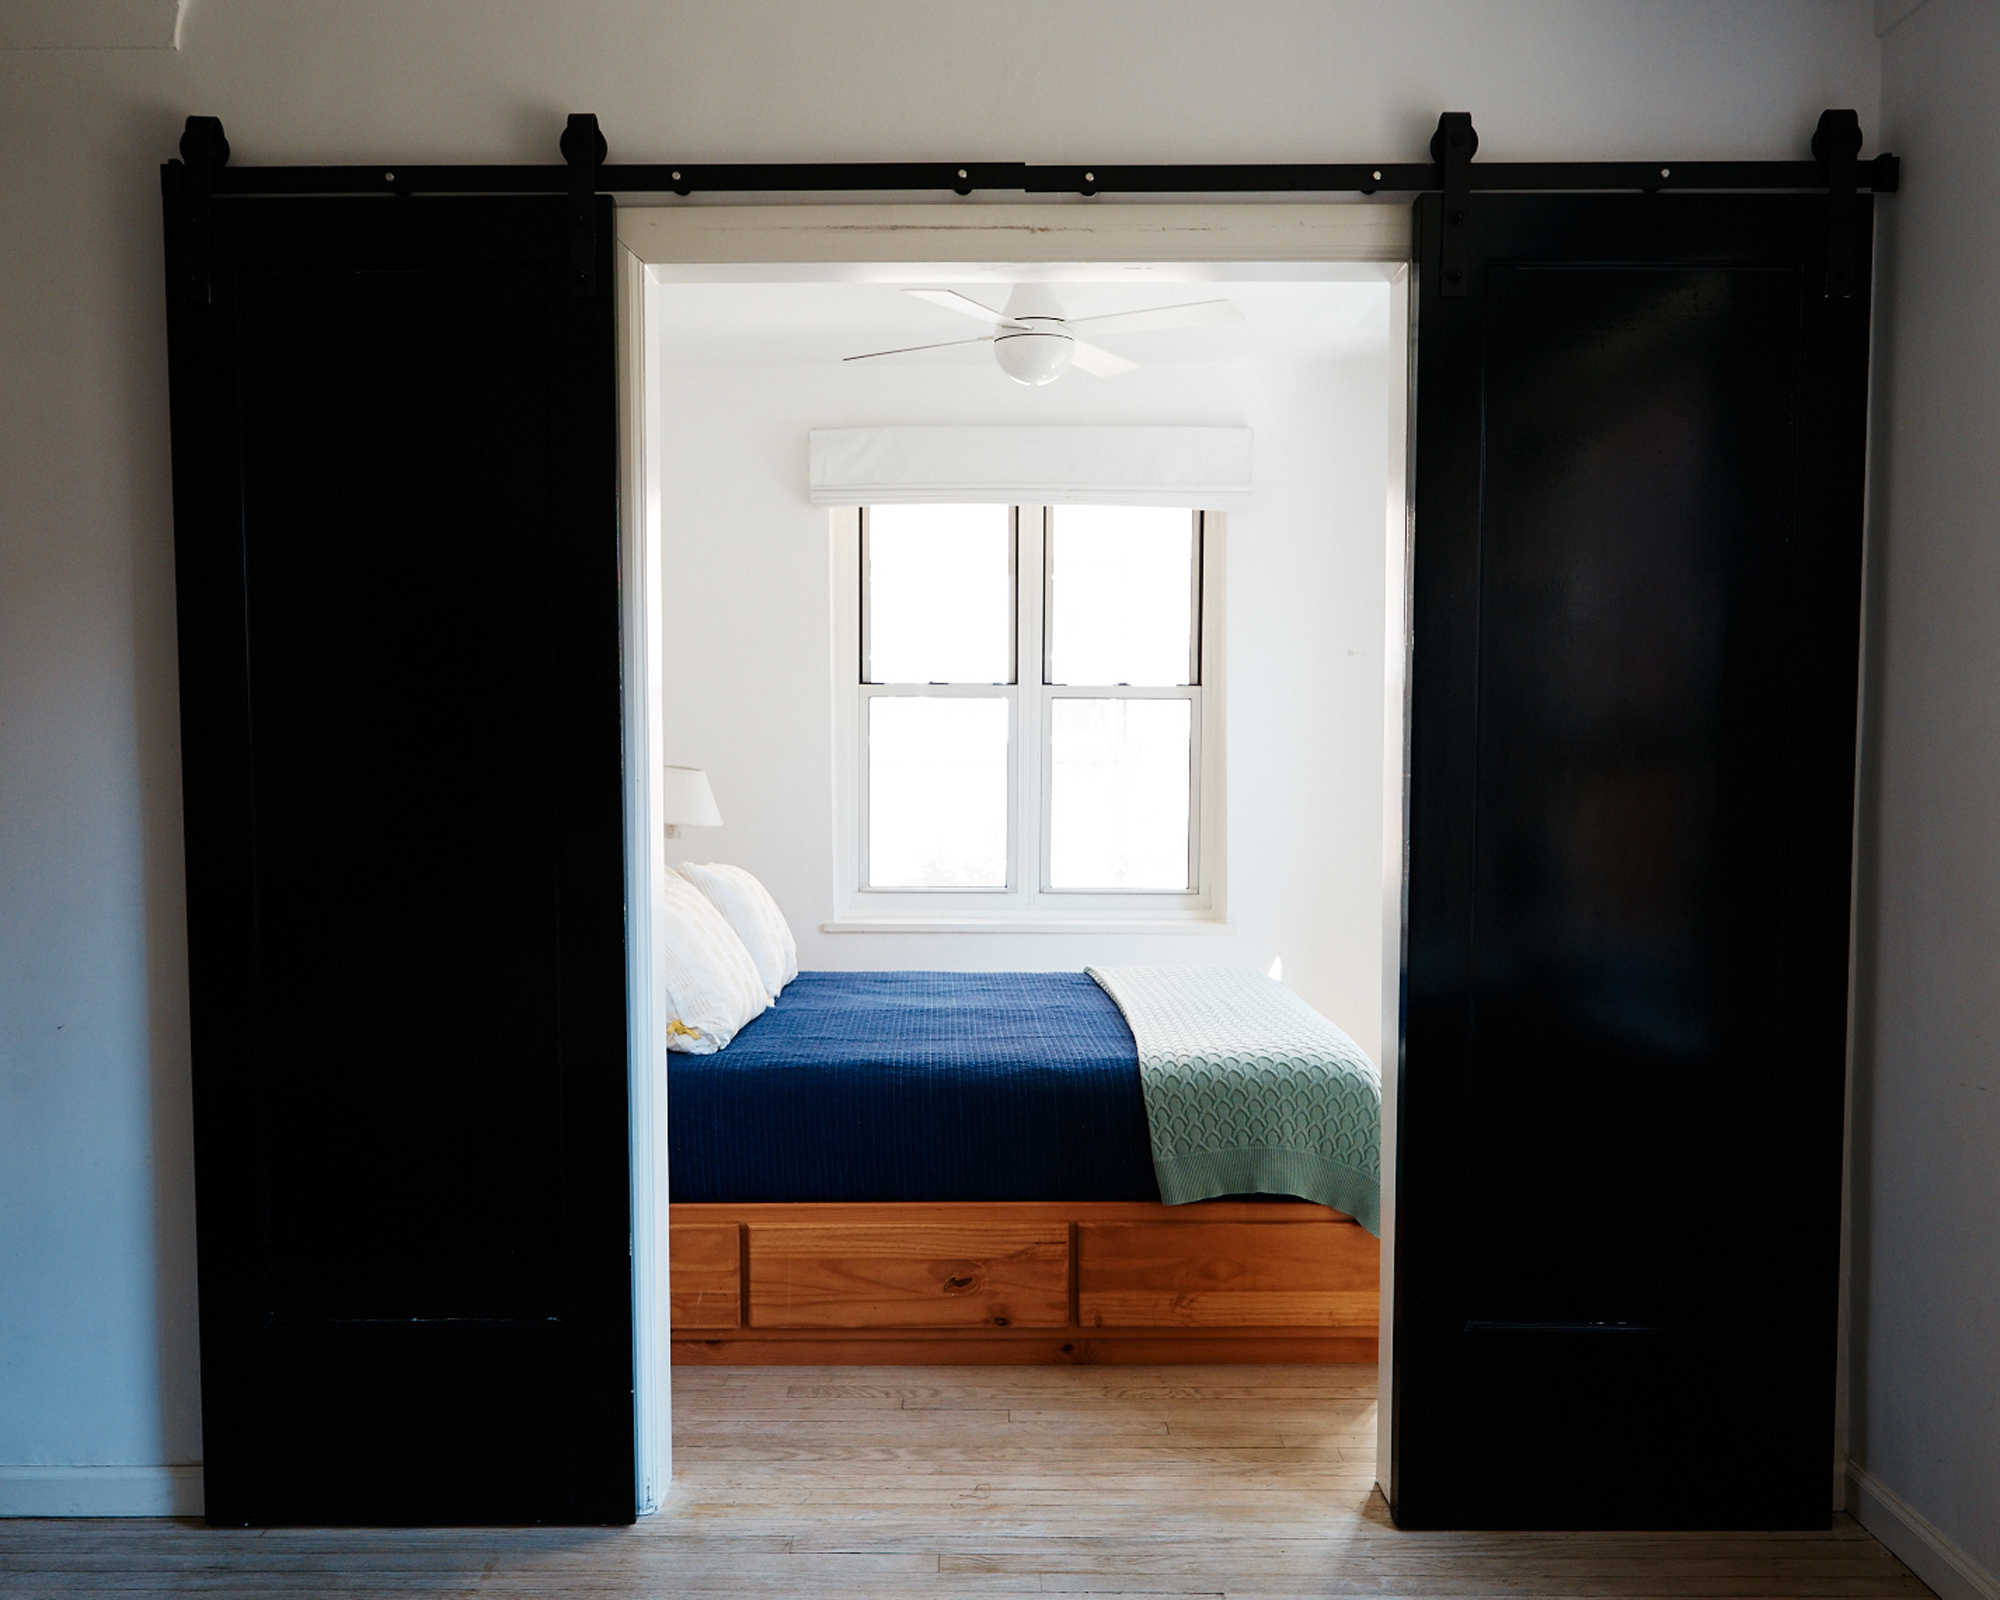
(1638, 503)
(397, 555)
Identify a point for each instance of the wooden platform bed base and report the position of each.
(1021, 1282)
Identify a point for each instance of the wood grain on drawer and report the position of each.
(910, 1276)
(704, 1275)
(1226, 1275)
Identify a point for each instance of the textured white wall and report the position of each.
(97, 1326)
(1925, 1312)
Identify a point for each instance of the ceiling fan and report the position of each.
(1034, 343)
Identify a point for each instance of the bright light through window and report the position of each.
(1121, 596)
(937, 792)
(940, 588)
(1118, 793)
(1028, 735)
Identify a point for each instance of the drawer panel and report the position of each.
(704, 1275)
(1227, 1275)
(910, 1276)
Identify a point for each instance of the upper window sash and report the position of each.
(1189, 675)
(870, 671)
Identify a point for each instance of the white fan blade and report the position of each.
(910, 349)
(952, 300)
(1097, 361)
(1159, 317)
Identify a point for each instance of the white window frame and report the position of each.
(1027, 903)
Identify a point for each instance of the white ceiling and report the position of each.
(816, 324)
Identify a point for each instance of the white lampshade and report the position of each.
(686, 801)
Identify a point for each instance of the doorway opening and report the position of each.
(734, 322)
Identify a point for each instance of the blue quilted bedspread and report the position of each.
(917, 1086)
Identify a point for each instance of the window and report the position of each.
(1029, 733)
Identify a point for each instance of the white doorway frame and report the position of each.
(970, 243)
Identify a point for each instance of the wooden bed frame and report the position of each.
(978, 1283)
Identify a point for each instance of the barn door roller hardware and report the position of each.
(189, 183)
(1835, 169)
(1452, 148)
(1836, 148)
(583, 149)
(1836, 143)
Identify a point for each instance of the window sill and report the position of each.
(1025, 925)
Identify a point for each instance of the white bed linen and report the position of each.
(712, 986)
(746, 905)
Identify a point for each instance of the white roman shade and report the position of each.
(1203, 468)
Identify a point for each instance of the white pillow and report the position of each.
(749, 909)
(712, 984)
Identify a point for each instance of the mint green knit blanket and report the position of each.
(1251, 1091)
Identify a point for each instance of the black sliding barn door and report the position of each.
(397, 553)
(1639, 468)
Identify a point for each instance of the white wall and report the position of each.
(97, 1329)
(1295, 607)
(1925, 1312)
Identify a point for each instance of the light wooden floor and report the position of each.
(940, 1481)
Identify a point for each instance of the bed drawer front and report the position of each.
(1226, 1275)
(943, 1276)
(705, 1275)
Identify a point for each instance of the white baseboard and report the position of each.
(1917, 1542)
(100, 1491)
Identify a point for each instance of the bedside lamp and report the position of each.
(686, 801)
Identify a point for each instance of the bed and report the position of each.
(930, 1166)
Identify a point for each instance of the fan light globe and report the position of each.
(1033, 358)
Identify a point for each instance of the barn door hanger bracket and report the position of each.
(204, 152)
(583, 150)
(1836, 143)
(1452, 148)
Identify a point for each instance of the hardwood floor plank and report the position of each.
(888, 1482)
